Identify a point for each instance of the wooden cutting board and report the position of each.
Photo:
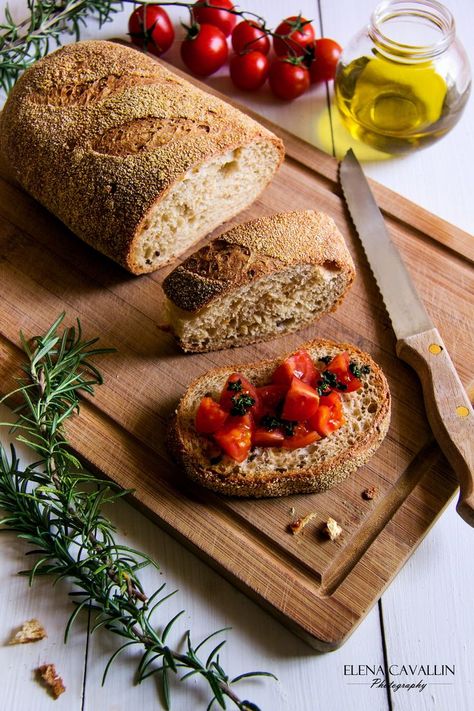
(320, 589)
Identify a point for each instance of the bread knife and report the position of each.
(419, 344)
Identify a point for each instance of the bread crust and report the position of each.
(268, 483)
(255, 249)
(74, 130)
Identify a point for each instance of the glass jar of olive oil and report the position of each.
(403, 81)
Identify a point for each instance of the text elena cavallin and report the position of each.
(398, 676)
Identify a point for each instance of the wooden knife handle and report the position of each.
(449, 411)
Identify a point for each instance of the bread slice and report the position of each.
(134, 159)
(259, 280)
(276, 471)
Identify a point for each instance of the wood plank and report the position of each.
(322, 591)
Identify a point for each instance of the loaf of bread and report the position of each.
(135, 160)
(259, 280)
(273, 471)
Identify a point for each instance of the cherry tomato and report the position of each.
(210, 416)
(300, 36)
(326, 57)
(340, 367)
(268, 438)
(301, 401)
(299, 365)
(287, 79)
(235, 437)
(204, 50)
(150, 27)
(220, 18)
(248, 36)
(302, 437)
(237, 385)
(249, 71)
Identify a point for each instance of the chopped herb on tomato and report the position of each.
(358, 372)
(241, 404)
(269, 422)
(237, 385)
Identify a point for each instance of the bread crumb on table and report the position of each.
(370, 493)
(332, 529)
(298, 525)
(30, 631)
(53, 682)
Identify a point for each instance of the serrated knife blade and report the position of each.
(405, 308)
(448, 408)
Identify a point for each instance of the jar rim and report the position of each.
(431, 10)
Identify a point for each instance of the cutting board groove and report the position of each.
(320, 589)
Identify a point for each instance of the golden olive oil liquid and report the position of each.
(392, 106)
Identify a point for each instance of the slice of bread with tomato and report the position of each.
(298, 424)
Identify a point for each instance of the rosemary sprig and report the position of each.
(56, 506)
(23, 44)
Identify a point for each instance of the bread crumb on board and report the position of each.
(298, 525)
(30, 631)
(370, 493)
(332, 529)
(53, 682)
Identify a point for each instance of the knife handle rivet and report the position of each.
(462, 411)
(435, 349)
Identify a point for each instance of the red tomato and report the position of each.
(235, 437)
(249, 71)
(287, 79)
(299, 365)
(301, 437)
(301, 401)
(248, 36)
(268, 438)
(326, 57)
(220, 18)
(150, 27)
(269, 397)
(204, 50)
(235, 386)
(210, 416)
(332, 400)
(300, 36)
(340, 367)
(322, 422)
(330, 414)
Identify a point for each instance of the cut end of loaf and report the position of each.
(206, 196)
(275, 471)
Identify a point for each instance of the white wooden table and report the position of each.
(425, 617)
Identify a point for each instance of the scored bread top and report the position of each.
(273, 471)
(97, 132)
(254, 249)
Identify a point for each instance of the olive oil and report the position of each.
(395, 106)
